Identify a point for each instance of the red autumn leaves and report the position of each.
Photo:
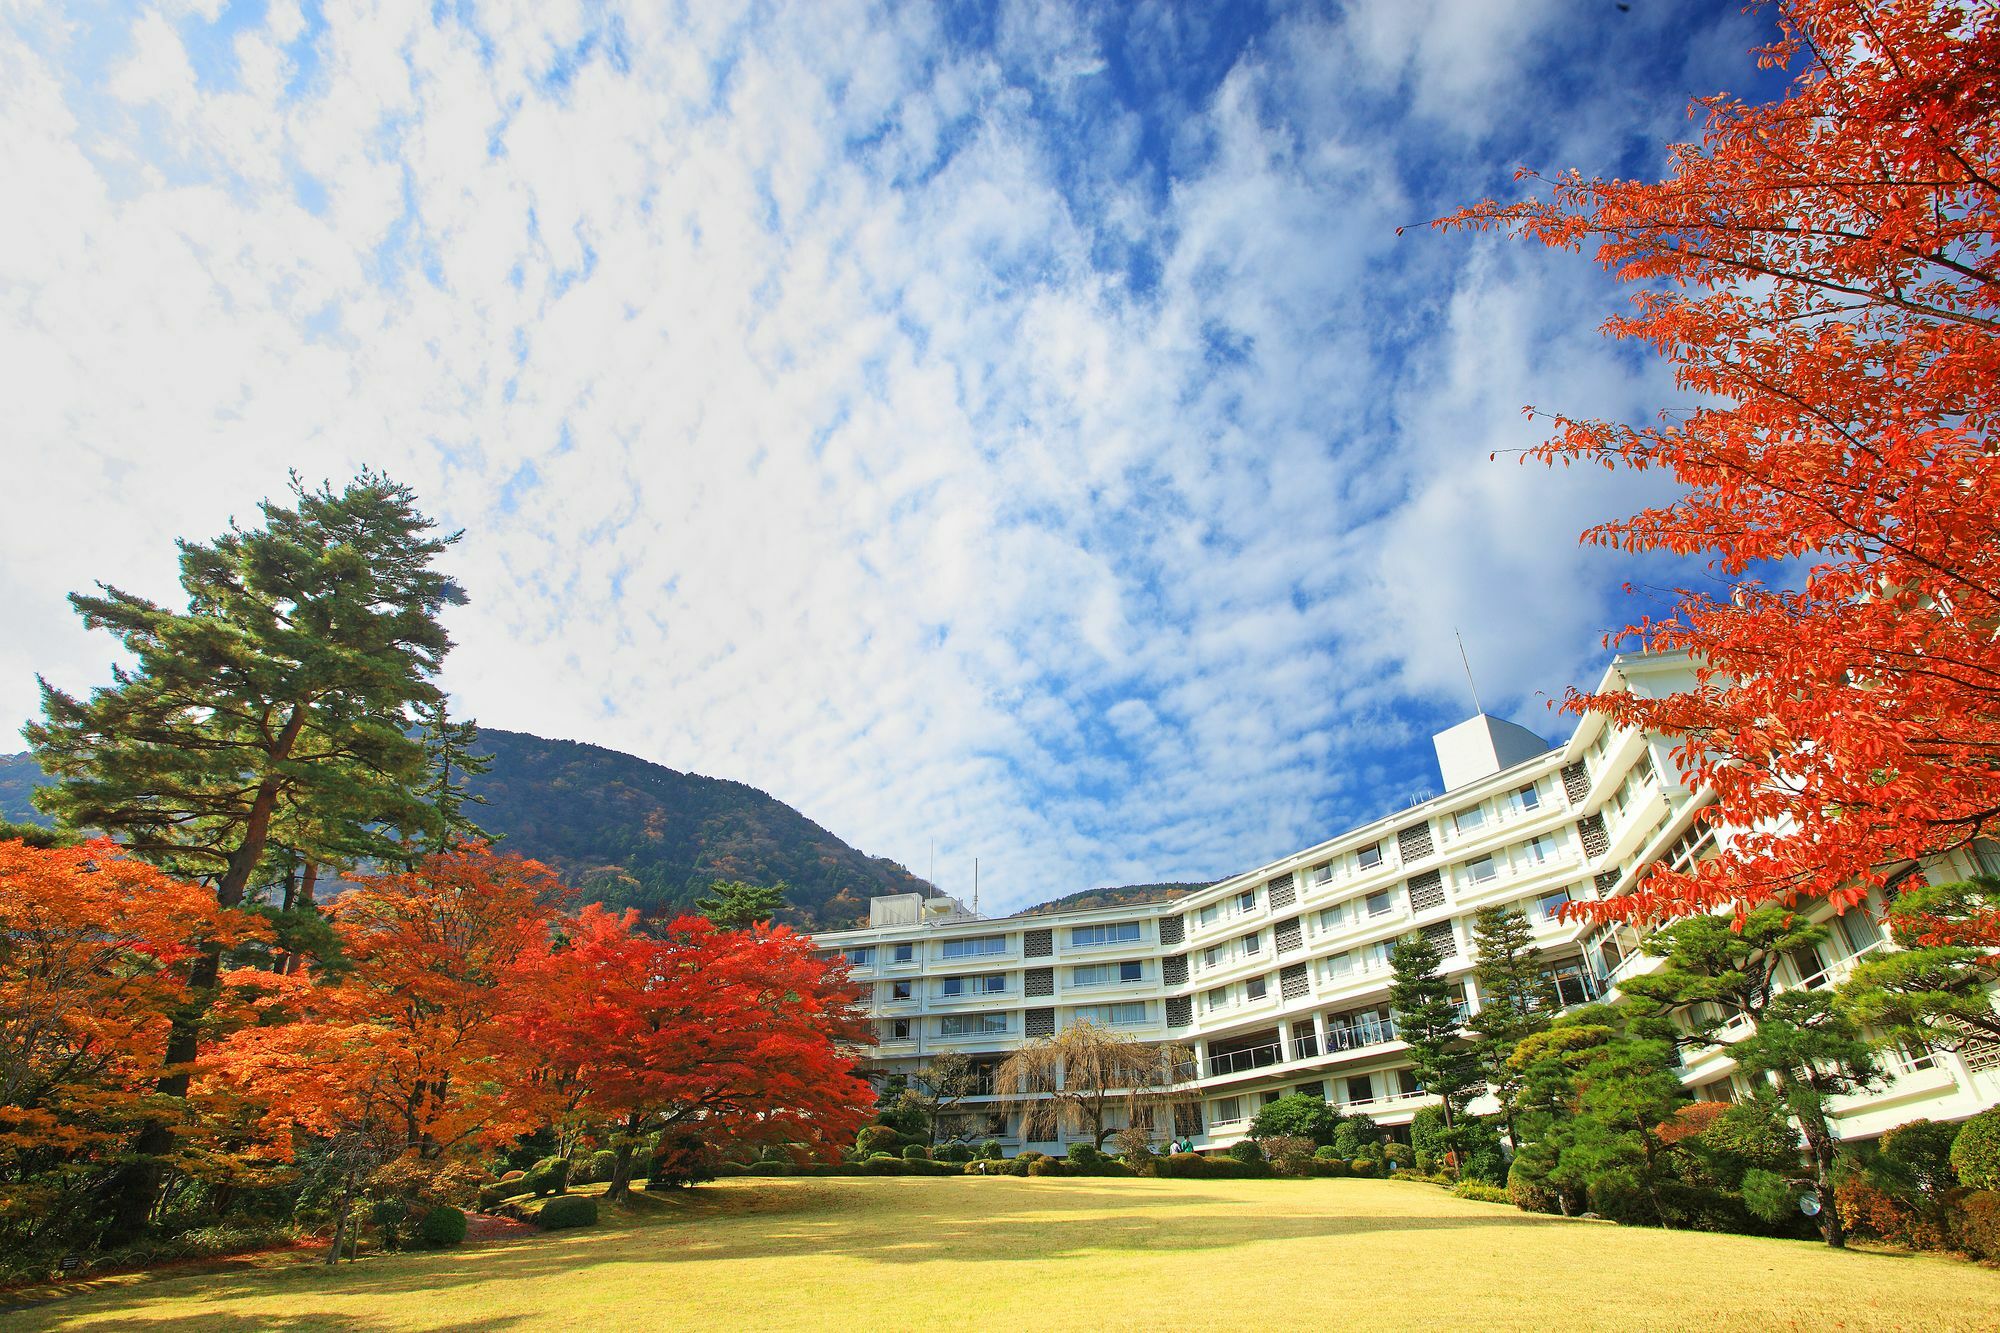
(467, 1008)
(1821, 273)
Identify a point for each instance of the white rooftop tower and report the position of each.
(1481, 746)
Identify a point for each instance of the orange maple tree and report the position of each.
(1821, 273)
(747, 1036)
(409, 1045)
(95, 951)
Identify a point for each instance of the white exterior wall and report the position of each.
(1607, 805)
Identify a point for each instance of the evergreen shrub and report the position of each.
(1975, 1152)
(442, 1228)
(569, 1210)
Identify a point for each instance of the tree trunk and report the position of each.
(138, 1185)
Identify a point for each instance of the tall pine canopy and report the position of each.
(282, 695)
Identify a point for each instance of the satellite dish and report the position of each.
(1809, 1204)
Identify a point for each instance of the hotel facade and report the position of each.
(1277, 979)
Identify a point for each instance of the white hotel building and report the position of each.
(1278, 978)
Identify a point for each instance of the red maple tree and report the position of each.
(744, 1035)
(1821, 272)
(94, 959)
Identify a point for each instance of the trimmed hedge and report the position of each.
(1481, 1192)
(442, 1228)
(568, 1210)
(1976, 1223)
(1193, 1166)
(1975, 1153)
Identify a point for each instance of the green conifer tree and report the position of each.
(733, 905)
(278, 702)
(1428, 1021)
(1516, 998)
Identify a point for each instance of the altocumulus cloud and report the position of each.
(1018, 427)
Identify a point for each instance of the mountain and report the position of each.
(628, 833)
(1112, 897)
(19, 776)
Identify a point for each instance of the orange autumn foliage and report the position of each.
(409, 1045)
(94, 948)
(1821, 273)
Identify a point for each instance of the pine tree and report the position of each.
(733, 905)
(276, 704)
(1427, 1019)
(1516, 998)
(450, 759)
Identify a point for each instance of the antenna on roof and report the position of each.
(975, 886)
(1476, 709)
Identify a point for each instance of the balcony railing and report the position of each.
(1352, 1037)
(1253, 1057)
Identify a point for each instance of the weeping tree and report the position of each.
(1076, 1078)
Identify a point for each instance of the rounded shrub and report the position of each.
(1975, 1219)
(1050, 1166)
(1247, 1152)
(570, 1210)
(1397, 1154)
(882, 1164)
(990, 1150)
(958, 1153)
(916, 1152)
(1328, 1153)
(1365, 1166)
(875, 1139)
(443, 1227)
(1975, 1152)
(603, 1165)
(1085, 1156)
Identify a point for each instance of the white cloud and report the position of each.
(802, 430)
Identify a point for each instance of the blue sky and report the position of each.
(1016, 429)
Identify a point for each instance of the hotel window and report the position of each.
(971, 1025)
(899, 1029)
(1339, 965)
(992, 984)
(1246, 901)
(899, 990)
(1858, 929)
(1549, 904)
(1216, 999)
(1333, 918)
(977, 946)
(1541, 849)
(903, 953)
(1375, 957)
(1254, 988)
(1253, 942)
(860, 957)
(1211, 956)
(1530, 797)
(1228, 1110)
(1465, 821)
(1406, 1082)
(1094, 975)
(1121, 932)
(1207, 915)
(1367, 858)
(1323, 872)
(1131, 972)
(1124, 1015)
(1481, 870)
(1360, 1088)
(1379, 904)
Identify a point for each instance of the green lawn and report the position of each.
(1010, 1253)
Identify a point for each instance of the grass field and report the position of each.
(1011, 1253)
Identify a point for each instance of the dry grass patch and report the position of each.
(971, 1253)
